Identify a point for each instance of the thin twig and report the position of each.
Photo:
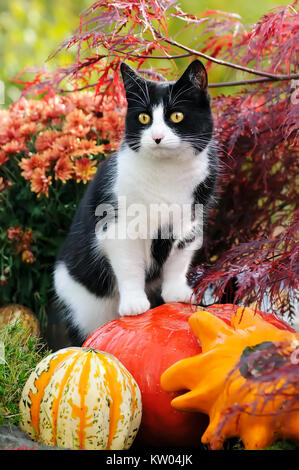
(159, 57)
(265, 76)
(91, 85)
(153, 74)
(210, 85)
(62, 90)
(253, 81)
(223, 62)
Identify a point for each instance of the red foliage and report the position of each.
(250, 243)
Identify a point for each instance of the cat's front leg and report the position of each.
(174, 286)
(127, 260)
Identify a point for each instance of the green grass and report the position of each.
(22, 353)
(282, 445)
(233, 444)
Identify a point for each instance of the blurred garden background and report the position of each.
(30, 31)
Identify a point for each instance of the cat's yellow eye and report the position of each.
(177, 116)
(144, 118)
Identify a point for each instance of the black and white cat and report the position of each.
(167, 157)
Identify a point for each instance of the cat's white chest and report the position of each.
(154, 190)
(160, 181)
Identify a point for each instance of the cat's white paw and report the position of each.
(133, 304)
(177, 292)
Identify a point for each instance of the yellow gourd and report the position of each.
(81, 398)
(218, 384)
(12, 313)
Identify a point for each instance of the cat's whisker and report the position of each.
(184, 89)
(170, 94)
(178, 102)
(146, 96)
(178, 94)
(147, 92)
(139, 101)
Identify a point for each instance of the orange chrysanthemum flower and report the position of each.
(48, 157)
(15, 146)
(110, 125)
(65, 144)
(87, 147)
(28, 129)
(29, 165)
(40, 182)
(45, 139)
(78, 123)
(64, 169)
(84, 169)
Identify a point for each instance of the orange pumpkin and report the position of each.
(217, 384)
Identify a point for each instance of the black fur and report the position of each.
(78, 252)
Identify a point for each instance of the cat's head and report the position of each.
(165, 118)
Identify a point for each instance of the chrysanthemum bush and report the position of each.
(49, 150)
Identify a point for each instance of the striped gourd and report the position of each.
(81, 398)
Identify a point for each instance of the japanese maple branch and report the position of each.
(210, 85)
(253, 81)
(91, 85)
(265, 76)
(223, 62)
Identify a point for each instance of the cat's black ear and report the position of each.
(130, 77)
(196, 74)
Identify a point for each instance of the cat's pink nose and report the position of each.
(158, 138)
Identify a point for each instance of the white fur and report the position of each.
(88, 311)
